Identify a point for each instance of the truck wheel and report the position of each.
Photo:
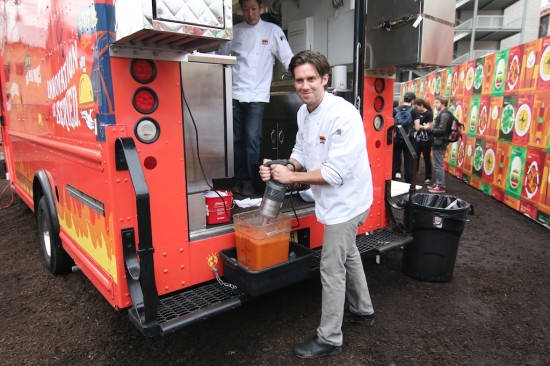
(57, 260)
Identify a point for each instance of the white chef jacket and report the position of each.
(332, 138)
(256, 47)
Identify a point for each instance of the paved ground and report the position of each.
(495, 311)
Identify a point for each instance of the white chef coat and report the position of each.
(256, 47)
(332, 138)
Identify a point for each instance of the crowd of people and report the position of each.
(427, 135)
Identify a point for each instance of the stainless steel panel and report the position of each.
(406, 46)
(203, 87)
(212, 58)
(182, 25)
(433, 51)
(230, 151)
(197, 211)
(209, 13)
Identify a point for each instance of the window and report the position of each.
(543, 27)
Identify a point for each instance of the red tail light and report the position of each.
(378, 103)
(143, 71)
(145, 100)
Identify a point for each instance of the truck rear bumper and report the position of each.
(205, 301)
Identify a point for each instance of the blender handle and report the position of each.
(277, 161)
(281, 162)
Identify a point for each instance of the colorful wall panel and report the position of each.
(503, 99)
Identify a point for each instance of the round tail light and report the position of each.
(145, 100)
(143, 71)
(378, 103)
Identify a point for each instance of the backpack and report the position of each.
(454, 131)
(403, 117)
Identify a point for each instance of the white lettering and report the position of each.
(61, 80)
(33, 76)
(65, 110)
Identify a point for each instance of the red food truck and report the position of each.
(116, 118)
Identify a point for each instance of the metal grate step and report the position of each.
(188, 307)
(380, 241)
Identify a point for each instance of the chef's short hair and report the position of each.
(317, 59)
(242, 1)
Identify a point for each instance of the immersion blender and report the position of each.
(274, 195)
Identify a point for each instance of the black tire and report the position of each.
(56, 258)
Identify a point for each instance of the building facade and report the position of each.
(544, 25)
(486, 26)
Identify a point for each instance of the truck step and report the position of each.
(382, 241)
(378, 242)
(189, 307)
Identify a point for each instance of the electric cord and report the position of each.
(274, 9)
(294, 192)
(199, 156)
(337, 3)
(2, 195)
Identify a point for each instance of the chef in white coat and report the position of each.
(256, 44)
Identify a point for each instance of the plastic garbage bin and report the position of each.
(438, 224)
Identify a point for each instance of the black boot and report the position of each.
(315, 348)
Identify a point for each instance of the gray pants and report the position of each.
(437, 157)
(342, 275)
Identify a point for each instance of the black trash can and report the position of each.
(438, 224)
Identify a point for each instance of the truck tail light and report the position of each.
(143, 71)
(379, 103)
(145, 100)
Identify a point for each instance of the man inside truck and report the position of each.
(255, 43)
(330, 154)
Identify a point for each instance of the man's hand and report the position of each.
(279, 173)
(265, 172)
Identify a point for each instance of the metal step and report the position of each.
(205, 301)
(383, 240)
(378, 242)
(189, 307)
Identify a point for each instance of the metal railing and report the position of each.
(466, 57)
(489, 22)
(459, 3)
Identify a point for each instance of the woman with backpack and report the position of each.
(424, 138)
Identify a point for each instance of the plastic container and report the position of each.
(260, 244)
(438, 224)
(296, 267)
(218, 206)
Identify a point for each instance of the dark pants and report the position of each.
(247, 136)
(400, 148)
(439, 155)
(424, 148)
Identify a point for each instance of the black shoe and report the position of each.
(315, 348)
(367, 320)
(237, 186)
(247, 189)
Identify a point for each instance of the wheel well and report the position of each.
(41, 188)
(37, 192)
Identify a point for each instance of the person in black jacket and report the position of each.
(439, 130)
(424, 138)
(399, 145)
